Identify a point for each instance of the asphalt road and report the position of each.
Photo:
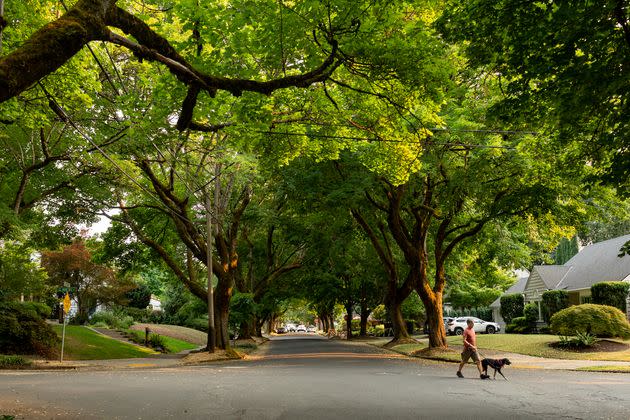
(300, 377)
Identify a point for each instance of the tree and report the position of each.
(19, 275)
(563, 69)
(93, 283)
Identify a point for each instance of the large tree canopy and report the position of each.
(563, 66)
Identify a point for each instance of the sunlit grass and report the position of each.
(84, 344)
(605, 368)
(538, 345)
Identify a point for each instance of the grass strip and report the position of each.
(85, 344)
(612, 369)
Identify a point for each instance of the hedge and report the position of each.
(611, 293)
(512, 306)
(23, 331)
(554, 301)
(598, 320)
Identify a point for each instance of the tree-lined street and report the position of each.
(315, 378)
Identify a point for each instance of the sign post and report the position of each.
(66, 309)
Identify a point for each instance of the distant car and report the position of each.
(281, 330)
(458, 325)
(300, 328)
(311, 329)
(290, 327)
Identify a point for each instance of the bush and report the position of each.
(23, 331)
(113, 320)
(512, 306)
(138, 298)
(376, 331)
(531, 312)
(580, 341)
(519, 325)
(13, 362)
(41, 309)
(157, 342)
(599, 320)
(554, 301)
(611, 293)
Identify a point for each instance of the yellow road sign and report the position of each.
(66, 304)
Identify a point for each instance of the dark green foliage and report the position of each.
(41, 309)
(519, 325)
(554, 301)
(139, 297)
(598, 320)
(565, 250)
(531, 312)
(611, 293)
(23, 331)
(512, 306)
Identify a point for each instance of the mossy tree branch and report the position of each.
(89, 20)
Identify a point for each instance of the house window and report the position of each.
(585, 299)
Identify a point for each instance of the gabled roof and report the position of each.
(517, 287)
(552, 275)
(596, 263)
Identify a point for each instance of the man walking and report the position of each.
(470, 350)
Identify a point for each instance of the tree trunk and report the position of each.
(365, 313)
(349, 311)
(437, 333)
(398, 321)
(222, 312)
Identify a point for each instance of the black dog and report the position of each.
(495, 364)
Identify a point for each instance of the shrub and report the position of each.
(554, 301)
(41, 309)
(157, 342)
(531, 312)
(13, 362)
(519, 325)
(511, 306)
(23, 331)
(611, 293)
(115, 321)
(580, 341)
(599, 320)
(139, 298)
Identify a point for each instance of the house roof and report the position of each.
(552, 275)
(596, 263)
(517, 287)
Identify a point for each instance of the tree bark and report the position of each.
(365, 313)
(349, 310)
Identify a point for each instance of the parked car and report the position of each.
(446, 319)
(290, 327)
(458, 325)
(300, 328)
(281, 330)
(311, 329)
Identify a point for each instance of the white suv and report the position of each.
(300, 328)
(458, 325)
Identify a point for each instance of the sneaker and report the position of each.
(482, 376)
(459, 374)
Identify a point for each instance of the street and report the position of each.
(308, 377)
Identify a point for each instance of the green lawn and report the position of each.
(537, 345)
(85, 344)
(528, 344)
(173, 345)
